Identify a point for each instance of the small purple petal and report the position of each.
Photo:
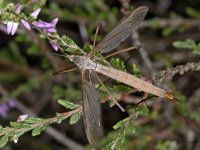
(54, 22)
(49, 30)
(3, 28)
(18, 8)
(12, 103)
(35, 13)
(9, 27)
(4, 107)
(3, 114)
(42, 24)
(26, 24)
(14, 28)
(54, 45)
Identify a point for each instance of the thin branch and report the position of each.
(181, 69)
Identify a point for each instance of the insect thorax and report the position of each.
(83, 62)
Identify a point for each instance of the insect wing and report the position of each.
(123, 30)
(91, 110)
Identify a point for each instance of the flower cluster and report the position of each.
(5, 107)
(47, 27)
(44, 26)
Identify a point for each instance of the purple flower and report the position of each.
(26, 24)
(42, 24)
(11, 103)
(46, 26)
(4, 110)
(18, 8)
(3, 28)
(3, 113)
(54, 22)
(9, 27)
(35, 13)
(5, 107)
(54, 45)
(50, 30)
(12, 27)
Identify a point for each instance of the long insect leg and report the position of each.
(95, 38)
(96, 33)
(137, 47)
(114, 99)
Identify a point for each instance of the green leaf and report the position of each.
(184, 44)
(87, 48)
(42, 36)
(75, 118)
(70, 44)
(67, 104)
(1, 128)
(136, 70)
(168, 30)
(121, 88)
(72, 50)
(118, 64)
(132, 128)
(192, 13)
(121, 142)
(33, 50)
(31, 120)
(144, 111)
(17, 125)
(14, 125)
(3, 141)
(154, 23)
(69, 41)
(120, 124)
(38, 130)
(9, 77)
(188, 44)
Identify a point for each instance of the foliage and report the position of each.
(188, 44)
(118, 64)
(37, 125)
(126, 127)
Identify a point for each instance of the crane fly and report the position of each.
(91, 106)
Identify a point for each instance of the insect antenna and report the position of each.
(65, 70)
(99, 27)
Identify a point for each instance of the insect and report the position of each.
(91, 106)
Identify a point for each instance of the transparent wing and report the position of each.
(91, 110)
(122, 30)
